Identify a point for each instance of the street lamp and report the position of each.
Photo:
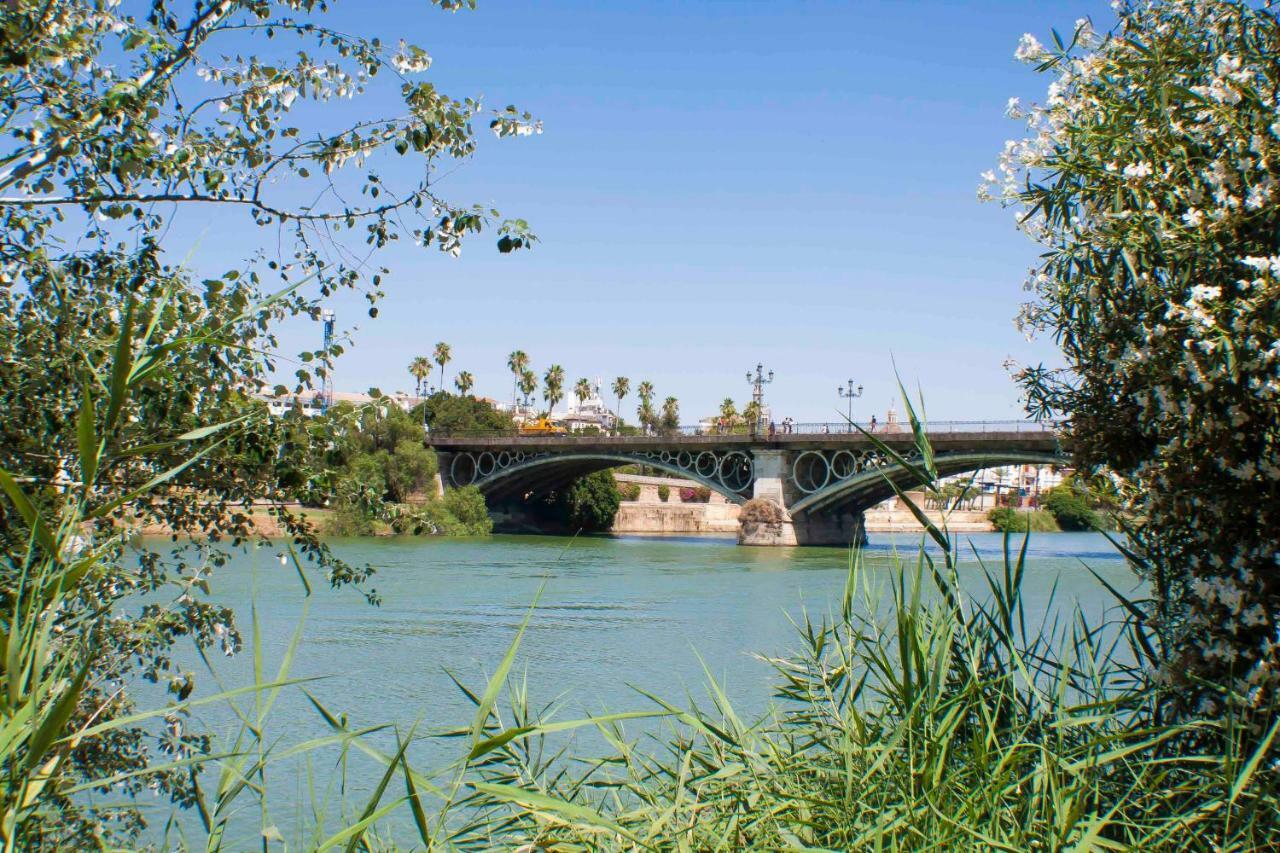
(757, 393)
(849, 393)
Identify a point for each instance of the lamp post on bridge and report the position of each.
(849, 393)
(757, 394)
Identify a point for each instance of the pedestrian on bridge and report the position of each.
(773, 430)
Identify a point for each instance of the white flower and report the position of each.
(1193, 217)
(1013, 109)
(1137, 170)
(1201, 292)
(1029, 49)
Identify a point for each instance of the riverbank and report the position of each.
(658, 511)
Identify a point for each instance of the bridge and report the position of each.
(821, 480)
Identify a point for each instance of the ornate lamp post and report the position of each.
(849, 393)
(757, 393)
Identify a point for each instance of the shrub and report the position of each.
(760, 511)
(591, 503)
(468, 507)
(1071, 509)
(695, 494)
(1149, 176)
(629, 491)
(664, 492)
(1010, 520)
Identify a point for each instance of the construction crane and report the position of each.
(326, 392)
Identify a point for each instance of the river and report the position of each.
(615, 614)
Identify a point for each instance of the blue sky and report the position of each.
(720, 184)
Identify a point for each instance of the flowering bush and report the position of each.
(692, 494)
(1150, 177)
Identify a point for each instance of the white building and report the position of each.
(311, 403)
(588, 413)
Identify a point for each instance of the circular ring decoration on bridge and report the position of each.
(468, 474)
(844, 464)
(735, 471)
(811, 471)
(706, 464)
(684, 459)
(504, 458)
(486, 464)
(665, 456)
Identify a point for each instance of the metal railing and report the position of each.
(779, 431)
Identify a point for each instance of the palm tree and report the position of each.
(645, 410)
(751, 414)
(728, 412)
(528, 384)
(621, 386)
(670, 414)
(420, 368)
(553, 386)
(517, 363)
(464, 382)
(582, 390)
(442, 357)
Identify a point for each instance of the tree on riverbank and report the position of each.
(124, 375)
(1151, 176)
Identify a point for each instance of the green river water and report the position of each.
(616, 614)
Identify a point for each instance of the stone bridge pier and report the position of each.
(774, 483)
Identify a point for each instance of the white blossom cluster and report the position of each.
(1150, 174)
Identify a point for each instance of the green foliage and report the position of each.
(1149, 177)
(447, 414)
(124, 378)
(1071, 509)
(670, 421)
(467, 506)
(1010, 520)
(629, 491)
(461, 512)
(664, 492)
(591, 503)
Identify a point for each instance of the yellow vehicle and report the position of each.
(542, 426)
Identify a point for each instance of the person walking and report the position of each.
(773, 430)
(873, 423)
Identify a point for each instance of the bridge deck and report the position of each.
(1021, 439)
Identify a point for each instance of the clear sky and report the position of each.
(721, 184)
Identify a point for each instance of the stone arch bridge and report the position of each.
(822, 481)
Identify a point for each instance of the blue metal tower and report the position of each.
(327, 389)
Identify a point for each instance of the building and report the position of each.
(311, 403)
(588, 414)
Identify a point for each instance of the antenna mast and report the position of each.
(326, 392)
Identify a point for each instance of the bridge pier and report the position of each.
(774, 483)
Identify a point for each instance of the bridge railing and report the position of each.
(828, 428)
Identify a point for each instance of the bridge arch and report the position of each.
(864, 489)
(729, 473)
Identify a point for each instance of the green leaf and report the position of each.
(88, 440)
(57, 717)
(28, 512)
